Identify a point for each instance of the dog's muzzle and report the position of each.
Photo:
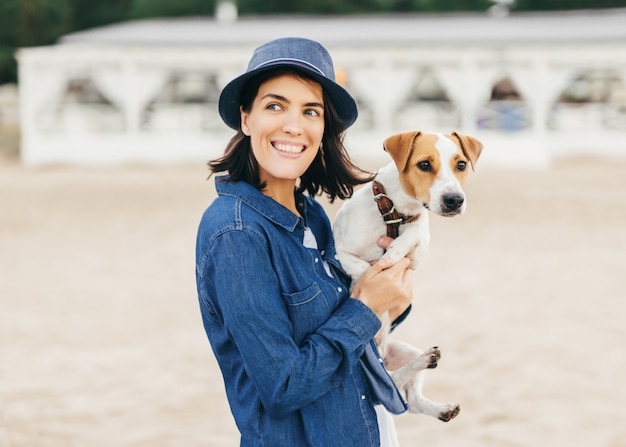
(452, 203)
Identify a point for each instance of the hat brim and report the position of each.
(230, 97)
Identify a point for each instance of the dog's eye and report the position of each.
(424, 166)
(461, 165)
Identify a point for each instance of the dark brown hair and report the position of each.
(331, 172)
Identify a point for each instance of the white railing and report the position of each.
(84, 104)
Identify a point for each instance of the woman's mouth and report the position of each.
(289, 148)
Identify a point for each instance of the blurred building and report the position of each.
(532, 87)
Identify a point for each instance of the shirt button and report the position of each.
(316, 260)
(339, 289)
(380, 359)
(363, 397)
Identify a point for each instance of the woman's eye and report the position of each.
(461, 165)
(312, 112)
(274, 106)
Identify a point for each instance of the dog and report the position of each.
(427, 173)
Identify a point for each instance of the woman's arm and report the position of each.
(244, 288)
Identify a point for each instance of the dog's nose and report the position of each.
(453, 202)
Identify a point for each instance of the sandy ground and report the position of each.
(101, 343)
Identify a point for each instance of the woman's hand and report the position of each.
(385, 286)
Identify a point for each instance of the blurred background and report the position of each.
(87, 82)
(108, 114)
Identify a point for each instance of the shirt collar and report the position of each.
(264, 205)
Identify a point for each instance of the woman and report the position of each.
(294, 346)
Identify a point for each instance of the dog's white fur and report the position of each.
(427, 173)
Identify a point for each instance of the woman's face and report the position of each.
(285, 125)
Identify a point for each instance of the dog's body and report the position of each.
(427, 173)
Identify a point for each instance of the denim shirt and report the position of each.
(296, 352)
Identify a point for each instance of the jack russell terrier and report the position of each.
(427, 173)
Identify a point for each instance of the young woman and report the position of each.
(295, 348)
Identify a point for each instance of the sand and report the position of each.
(101, 342)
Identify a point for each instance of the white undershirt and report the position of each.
(385, 429)
(310, 242)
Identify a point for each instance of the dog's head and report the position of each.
(433, 167)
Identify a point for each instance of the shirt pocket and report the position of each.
(308, 309)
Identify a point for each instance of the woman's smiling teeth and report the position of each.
(289, 148)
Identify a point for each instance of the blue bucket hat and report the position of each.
(304, 54)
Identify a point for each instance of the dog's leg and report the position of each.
(420, 404)
(382, 337)
(421, 361)
(413, 242)
(409, 378)
(402, 247)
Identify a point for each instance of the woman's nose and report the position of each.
(293, 123)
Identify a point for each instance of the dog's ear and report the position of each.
(471, 147)
(400, 147)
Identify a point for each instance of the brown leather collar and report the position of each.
(392, 218)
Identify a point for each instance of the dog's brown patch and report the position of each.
(408, 150)
(461, 175)
(469, 146)
(400, 147)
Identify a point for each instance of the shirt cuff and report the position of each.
(360, 318)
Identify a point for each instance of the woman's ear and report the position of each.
(244, 121)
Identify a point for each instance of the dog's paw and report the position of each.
(449, 414)
(392, 256)
(433, 355)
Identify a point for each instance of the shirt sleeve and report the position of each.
(245, 291)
